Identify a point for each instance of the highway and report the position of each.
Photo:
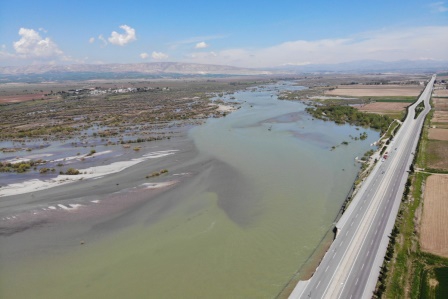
(351, 266)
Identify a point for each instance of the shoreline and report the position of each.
(307, 270)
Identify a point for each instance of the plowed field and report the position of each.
(441, 104)
(21, 98)
(441, 92)
(434, 231)
(384, 107)
(376, 90)
(438, 134)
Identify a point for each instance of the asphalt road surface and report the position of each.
(351, 266)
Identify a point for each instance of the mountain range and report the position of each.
(160, 69)
(362, 66)
(143, 68)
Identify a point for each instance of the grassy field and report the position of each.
(437, 153)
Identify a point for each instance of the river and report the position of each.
(262, 188)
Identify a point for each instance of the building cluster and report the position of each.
(101, 91)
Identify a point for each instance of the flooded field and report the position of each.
(248, 197)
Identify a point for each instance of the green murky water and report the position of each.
(240, 229)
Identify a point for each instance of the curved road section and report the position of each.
(351, 266)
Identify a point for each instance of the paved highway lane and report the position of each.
(352, 264)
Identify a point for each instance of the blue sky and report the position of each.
(241, 33)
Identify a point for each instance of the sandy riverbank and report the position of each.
(87, 173)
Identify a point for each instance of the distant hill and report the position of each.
(143, 68)
(81, 72)
(364, 66)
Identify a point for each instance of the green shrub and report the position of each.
(72, 171)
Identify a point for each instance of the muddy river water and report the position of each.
(251, 196)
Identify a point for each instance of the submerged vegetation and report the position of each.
(157, 173)
(67, 114)
(72, 171)
(346, 114)
(19, 167)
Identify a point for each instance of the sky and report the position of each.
(242, 33)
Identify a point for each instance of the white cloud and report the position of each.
(122, 39)
(101, 38)
(204, 55)
(144, 55)
(385, 45)
(438, 7)
(31, 44)
(201, 45)
(91, 40)
(159, 55)
(194, 40)
(4, 55)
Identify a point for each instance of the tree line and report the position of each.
(347, 114)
